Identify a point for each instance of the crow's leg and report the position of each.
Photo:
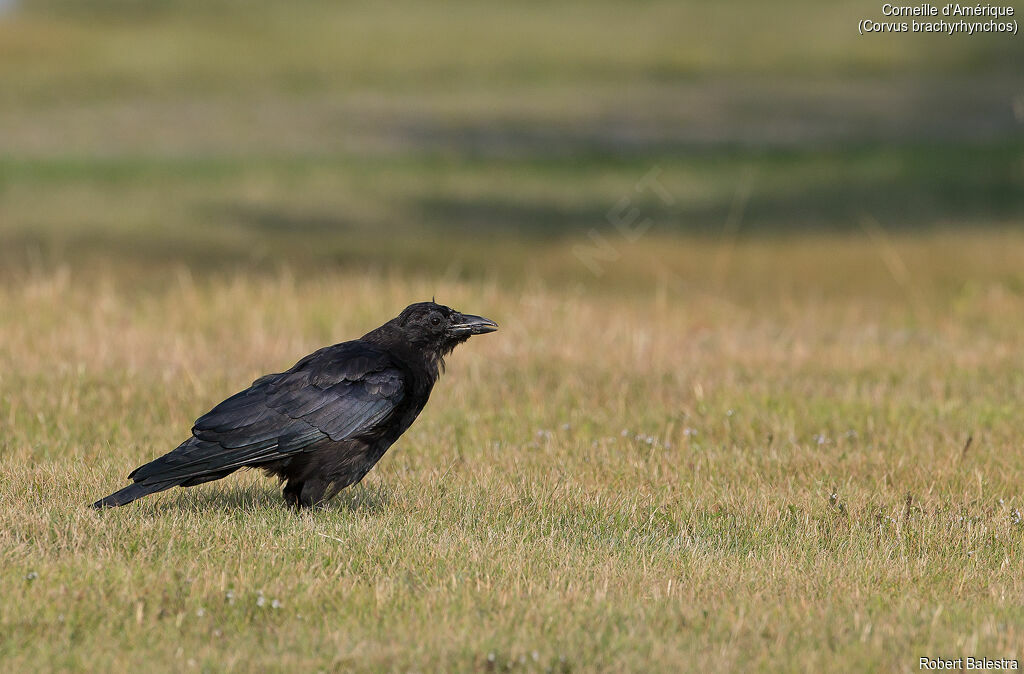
(333, 490)
(317, 491)
(313, 492)
(292, 492)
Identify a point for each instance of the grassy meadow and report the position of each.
(754, 403)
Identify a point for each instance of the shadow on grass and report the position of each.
(905, 188)
(262, 497)
(908, 189)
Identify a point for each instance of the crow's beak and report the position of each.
(469, 324)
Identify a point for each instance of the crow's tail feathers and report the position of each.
(193, 462)
(132, 492)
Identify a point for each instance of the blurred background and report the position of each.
(574, 142)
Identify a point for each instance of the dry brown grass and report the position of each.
(762, 469)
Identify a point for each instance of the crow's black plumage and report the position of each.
(323, 424)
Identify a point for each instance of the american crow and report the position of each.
(324, 423)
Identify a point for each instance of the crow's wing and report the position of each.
(339, 392)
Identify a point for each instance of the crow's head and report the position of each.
(432, 325)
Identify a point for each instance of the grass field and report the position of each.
(777, 428)
(725, 478)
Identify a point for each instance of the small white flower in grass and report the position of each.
(230, 596)
(200, 612)
(535, 655)
(31, 575)
(689, 432)
(275, 604)
(491, 657)
(261, 601)
(970, 553)
(566, 427)
(625, 432)
(730, 412)
(1016, 517)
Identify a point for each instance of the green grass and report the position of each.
(449, 215)
(778, 430)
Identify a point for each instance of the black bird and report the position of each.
(323, 424)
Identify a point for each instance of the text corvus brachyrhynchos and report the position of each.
(323, 424)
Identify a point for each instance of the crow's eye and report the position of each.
(435, 321)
